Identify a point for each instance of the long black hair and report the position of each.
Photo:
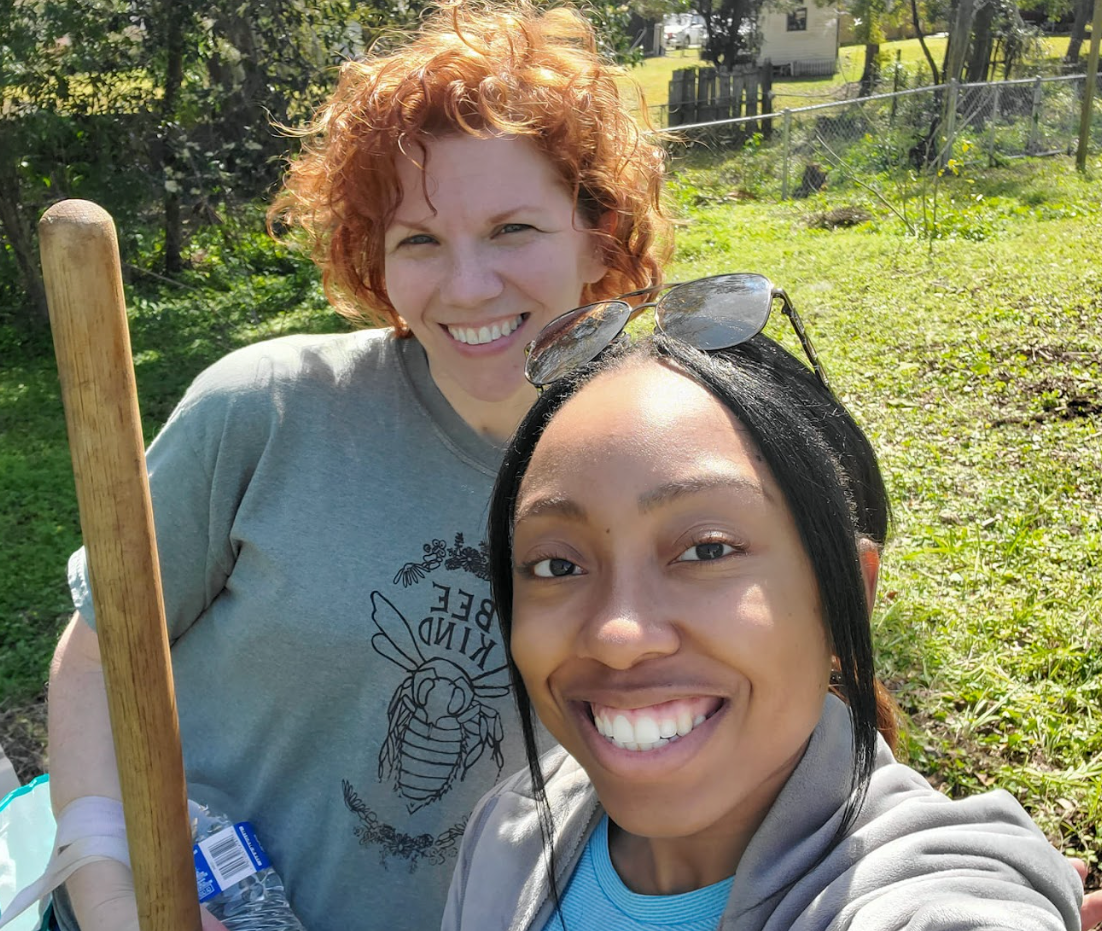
(822, 462)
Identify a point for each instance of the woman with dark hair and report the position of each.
(682, 562)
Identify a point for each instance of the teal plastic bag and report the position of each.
(27, 830)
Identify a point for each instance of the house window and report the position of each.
(797, 20)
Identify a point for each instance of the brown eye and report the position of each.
(554, 568)
(705, 552)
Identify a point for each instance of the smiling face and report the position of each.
(666, 617)
(496, 251)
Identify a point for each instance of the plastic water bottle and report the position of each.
(236, 881)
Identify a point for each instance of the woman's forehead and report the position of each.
(645, 419)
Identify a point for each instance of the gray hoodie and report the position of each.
(913, 859)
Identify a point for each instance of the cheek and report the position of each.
(405, 285)
(525, 648)
(537, 647)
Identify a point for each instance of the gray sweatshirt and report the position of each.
(913, 859)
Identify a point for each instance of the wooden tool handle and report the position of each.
(80, 263)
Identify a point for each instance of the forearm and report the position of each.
(82, 763)
(82, 755)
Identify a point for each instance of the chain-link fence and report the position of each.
(942, 127)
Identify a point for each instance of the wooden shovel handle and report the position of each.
(80, 264)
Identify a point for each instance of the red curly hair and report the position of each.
(475, 67)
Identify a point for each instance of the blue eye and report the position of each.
(515, 227)
(420, 239)
(706, 552)
(553, 568)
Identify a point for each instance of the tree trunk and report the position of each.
(960, 32)
(870, 77)
(15, 227)
(979, 60)
(1078, 31)
(934, 73)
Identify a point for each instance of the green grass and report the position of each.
(653, 75)
(974, 359)
(976, 366)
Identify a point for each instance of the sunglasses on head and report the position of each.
(709, 313)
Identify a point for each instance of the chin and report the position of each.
(657, 816)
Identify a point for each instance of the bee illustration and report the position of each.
(437, 727)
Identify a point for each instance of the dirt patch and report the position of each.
(838, 218)
(23, 737)
(1061, 397)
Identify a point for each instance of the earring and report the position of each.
(836, 677)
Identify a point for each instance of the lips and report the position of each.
(649, 728)
(480, 336)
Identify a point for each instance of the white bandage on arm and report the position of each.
(88, 829)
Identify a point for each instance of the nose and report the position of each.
(472, 280)
(628, 626)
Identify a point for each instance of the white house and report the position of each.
(803, 41)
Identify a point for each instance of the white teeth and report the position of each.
(646, 733)
(485, 334)
(622, 731)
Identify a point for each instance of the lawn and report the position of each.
(653, 75)
(974, 362)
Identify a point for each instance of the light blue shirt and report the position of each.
(596, 897)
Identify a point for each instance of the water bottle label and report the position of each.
(226, 857)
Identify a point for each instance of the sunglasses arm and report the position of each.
(798, 325)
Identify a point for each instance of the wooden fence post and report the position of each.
(767, 98)
(1088, 88)
(1035, 118)
(787, 143)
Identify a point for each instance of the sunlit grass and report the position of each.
(653, 75)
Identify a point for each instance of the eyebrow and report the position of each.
(562, 506)
(674, 490)
(499, 217)
(557, 505)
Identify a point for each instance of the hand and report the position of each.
(1090, 914)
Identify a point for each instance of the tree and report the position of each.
(133, 102)
(921, 36)
(867, 29)
(56, 128)
(1083, 10)
(732, 30)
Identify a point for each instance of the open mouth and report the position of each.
(480, 336)
(649, 728)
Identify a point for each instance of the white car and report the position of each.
(684, 30)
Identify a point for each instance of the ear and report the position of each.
(606, 223)
(869, 554)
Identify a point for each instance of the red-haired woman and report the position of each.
(320, 501)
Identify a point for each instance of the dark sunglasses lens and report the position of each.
(715, 313)
(573, 339)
